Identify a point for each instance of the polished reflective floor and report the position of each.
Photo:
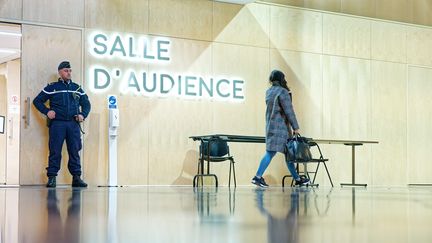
(244, 214)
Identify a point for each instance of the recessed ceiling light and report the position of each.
(11, 51)
(10, 33)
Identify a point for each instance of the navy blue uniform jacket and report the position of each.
(67, 99)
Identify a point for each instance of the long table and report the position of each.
(261, 139)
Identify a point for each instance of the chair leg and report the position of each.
(328, 174)
(283, 179)
(233, 169)
(316, 171)
(235, 180)
(199, 166)
(195, 179)
(229, 180)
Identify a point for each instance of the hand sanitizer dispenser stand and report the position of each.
(114, 123)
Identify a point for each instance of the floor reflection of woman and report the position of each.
(281, 229)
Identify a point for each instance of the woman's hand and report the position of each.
(296, 131)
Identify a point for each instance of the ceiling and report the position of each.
(10, 42)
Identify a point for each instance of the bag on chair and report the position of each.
(298, 149)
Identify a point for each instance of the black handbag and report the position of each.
(298, 149)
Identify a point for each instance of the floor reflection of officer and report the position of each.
(281, 229)
(70, 233)
(68, 106)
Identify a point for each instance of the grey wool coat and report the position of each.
(280, 118)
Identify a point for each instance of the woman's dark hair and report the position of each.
(278, 76)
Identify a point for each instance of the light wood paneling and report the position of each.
(117, 15)
(346, 105)
(346, 36)
(419, 130)
(172, 155)
(229, 21)
(297, 3)
(11, 9)
(346, 114)
(335, 97)
(328, 5)
(133, 132)
(389, 42)
(39, 67)
(421, 12)
(64, 12)
(397, 10)
(295, 29)
(409, 11)
(247, 117)
(362, 8)
(304, 75)
(188, 18)
(388, 123)
(419, 46)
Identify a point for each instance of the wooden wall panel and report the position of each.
(172, 155)
(11, 9)
(346, 73)
(230, 20)
(389, 42)
(362, 8)
(247, 117)
(346, 114)
(388, 123)
(305, 82)
(421, 10)
(419, 46)
(346, 36)
(39, 67)
(396, 10)
(122, 16)
(64, 12)
(293, 29)
(419, 86)
(190, 19)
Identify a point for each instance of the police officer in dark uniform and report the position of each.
(69, 105)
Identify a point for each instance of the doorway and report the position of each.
(10, 72)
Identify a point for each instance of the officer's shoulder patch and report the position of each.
(49, 87)
(76, 85)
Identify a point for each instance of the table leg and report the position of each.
(353, 167)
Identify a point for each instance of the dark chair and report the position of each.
(219, 152)
(306, 173)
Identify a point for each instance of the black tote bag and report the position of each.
(298, 149)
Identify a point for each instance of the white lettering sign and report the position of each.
(130, 48)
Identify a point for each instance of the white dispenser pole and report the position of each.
(114, 123)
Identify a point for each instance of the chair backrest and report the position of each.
(218, 148)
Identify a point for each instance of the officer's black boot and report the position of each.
(51, 181)
(78, 182)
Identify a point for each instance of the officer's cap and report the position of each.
(64, 64)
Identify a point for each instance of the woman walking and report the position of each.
(281, 124)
